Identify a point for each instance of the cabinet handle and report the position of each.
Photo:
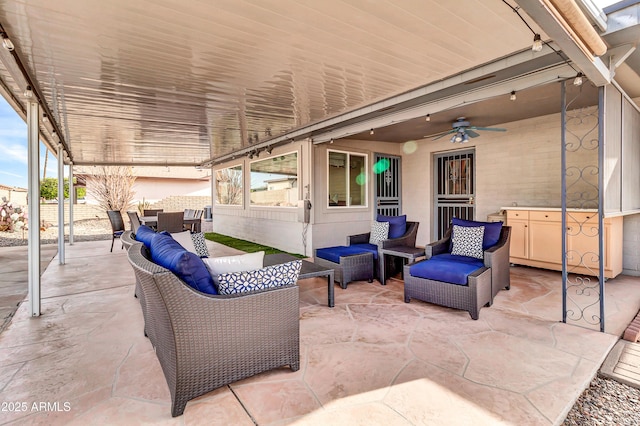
(526, 226)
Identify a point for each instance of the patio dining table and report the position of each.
(152, 221)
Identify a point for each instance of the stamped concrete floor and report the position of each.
(370, 360)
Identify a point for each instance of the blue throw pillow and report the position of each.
(168, 253)
(492, 230)
(397, 224)
(144, 235)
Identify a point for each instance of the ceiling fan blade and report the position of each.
(472, 133)
(443, 134)
(491, 129)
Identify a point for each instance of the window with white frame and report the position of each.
(274, 181)
(229, 186)
(347, 179)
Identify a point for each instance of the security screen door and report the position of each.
(454, 188)
(388, 189)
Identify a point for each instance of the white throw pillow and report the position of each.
(467, 241)
(379, 232)
(185, 240)
(230, 264)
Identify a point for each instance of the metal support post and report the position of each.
(33, 199)
(60, 205)
(72, 198)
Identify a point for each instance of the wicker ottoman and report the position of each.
(470, 297)
(351, 266)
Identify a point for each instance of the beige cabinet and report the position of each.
(536, 240)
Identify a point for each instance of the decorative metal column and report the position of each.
(583, 236)
(33, 200)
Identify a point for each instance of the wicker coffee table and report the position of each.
(308, 270)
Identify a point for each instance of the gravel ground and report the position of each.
(83, 230)
(605, 402)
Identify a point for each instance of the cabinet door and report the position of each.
(545, 241)
(519, 245)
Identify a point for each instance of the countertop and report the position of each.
(549, 209)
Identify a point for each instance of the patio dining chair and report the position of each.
(117, 225)
(170, 222)
(134, 221)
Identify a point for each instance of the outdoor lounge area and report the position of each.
(372, 359)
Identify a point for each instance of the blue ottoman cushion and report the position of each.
(447, 268)
(332, 254)
(366, 247)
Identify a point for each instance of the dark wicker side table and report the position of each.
(406, 253)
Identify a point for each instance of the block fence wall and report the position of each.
(49, 212)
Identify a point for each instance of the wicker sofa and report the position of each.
(206, 341)
(482, 285)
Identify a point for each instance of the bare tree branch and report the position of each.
(112, 187)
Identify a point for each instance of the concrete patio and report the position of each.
(370, 360)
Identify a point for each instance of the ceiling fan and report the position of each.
(461, 130)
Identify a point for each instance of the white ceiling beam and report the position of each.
(593, 67)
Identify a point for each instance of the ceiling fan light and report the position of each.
(537, 43)
(459, 137)
(453, 139)
(465, 138)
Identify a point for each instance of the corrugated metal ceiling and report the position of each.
(180, 82)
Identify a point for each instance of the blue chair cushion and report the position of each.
(366, 247)
(144, 235)
(397, 225)
(492, 230)
(447, 268)
(168, 253)
(332, 254)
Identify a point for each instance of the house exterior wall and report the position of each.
(277, 226)
(520, 166)
(17, 196)
(155, 189)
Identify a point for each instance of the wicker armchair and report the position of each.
(204, 341)
(408, 239)
(482, 285)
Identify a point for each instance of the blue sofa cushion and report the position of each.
(144, 234)
(364, 247)
(332, 254)
(397, 225)
(447, 268)
(492, 230)
(168, 253)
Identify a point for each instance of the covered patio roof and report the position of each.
(175, 83)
